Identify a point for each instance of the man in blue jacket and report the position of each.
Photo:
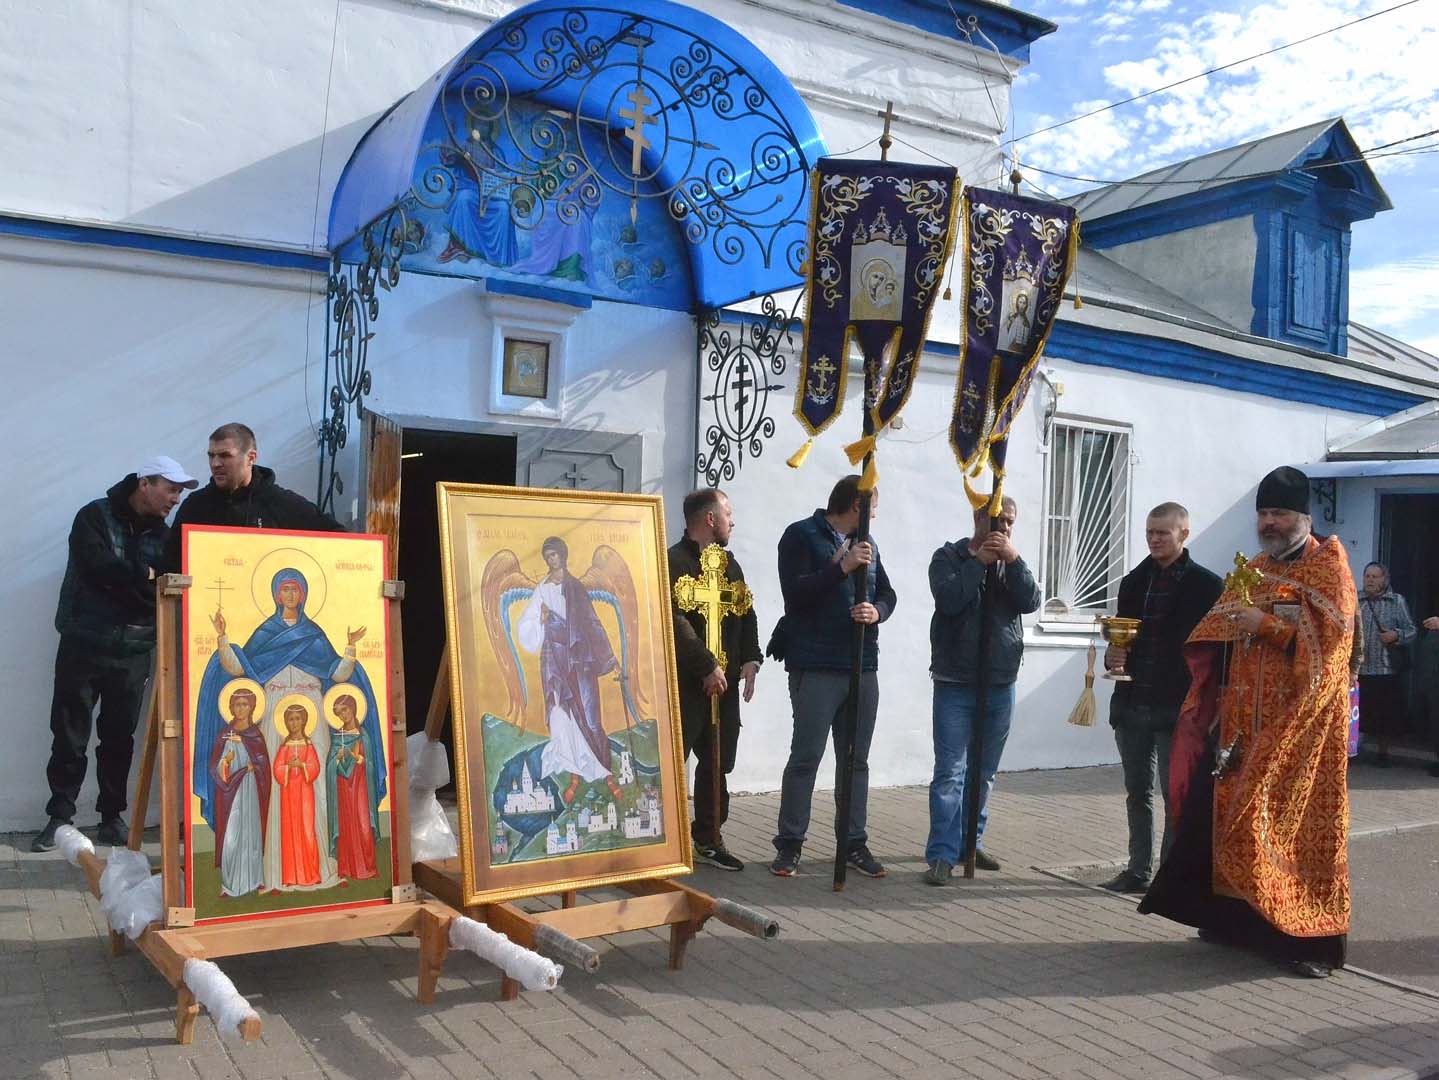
(815, 639)
(957, 578)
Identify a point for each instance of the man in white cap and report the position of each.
(106, 620)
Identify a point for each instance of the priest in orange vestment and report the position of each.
(1258, 770)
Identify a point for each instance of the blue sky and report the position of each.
(1382, 76)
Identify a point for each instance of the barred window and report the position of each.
(1086, 518)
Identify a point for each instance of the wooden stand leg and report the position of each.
(434, 947)
(187, 1009)
(117, 943)
(509, 989)
(147, 768)
(568, 899)
(681, 934)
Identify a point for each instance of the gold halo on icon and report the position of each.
(295, 699)
(272, 563)
(339, 690)
(242, 684)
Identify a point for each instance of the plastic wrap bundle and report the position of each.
(214, 990)
(71, 842)
(529, 969)
(130, 895)
(431, 838)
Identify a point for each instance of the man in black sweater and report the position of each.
(241, 494)
(106, 620)
(709, 520)
(1170, 593)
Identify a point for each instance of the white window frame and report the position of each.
(534, 320)
(1063, 483)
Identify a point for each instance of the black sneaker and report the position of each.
(860, 858)
(45, 838)
(1126, 881)
(983, 861)
(113, 832)
(717, 856)
(786, 863)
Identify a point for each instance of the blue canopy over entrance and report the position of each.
(637, 151)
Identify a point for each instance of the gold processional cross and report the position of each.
(714, 598)
(1241, 581)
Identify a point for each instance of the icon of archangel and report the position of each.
(589, 780)
(288, 762)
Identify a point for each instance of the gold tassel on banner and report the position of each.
(795, 460)
(996, 501)
(855, 451)
(976, 498)
(1084, 708)
(1074, 264)
(870, 477)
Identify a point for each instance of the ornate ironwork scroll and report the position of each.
(743, 362)
(353, 305)
(636, 131)
(1326, 497)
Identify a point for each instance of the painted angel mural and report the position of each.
(556, 619)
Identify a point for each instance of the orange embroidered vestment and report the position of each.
(1281, 814)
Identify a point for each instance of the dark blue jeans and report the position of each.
(954, 708)
(1144, 736)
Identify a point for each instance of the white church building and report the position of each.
(414, 240)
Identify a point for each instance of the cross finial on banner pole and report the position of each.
(885, 142)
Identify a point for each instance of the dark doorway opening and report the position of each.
(1407, 527)
(428, 457)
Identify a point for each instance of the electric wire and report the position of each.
(1214, 70)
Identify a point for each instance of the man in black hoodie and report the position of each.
(243, 495)
(1170, 593)
(106, 620)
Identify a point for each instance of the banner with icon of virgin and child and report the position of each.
(287, 745)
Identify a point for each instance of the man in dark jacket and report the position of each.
(242, 494)
(1170, 593)
(817, 555)
(710, 520)
(106, 620)
(957, 579)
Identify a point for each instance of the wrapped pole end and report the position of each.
(71, 842)
(560, 945)
(747, 919)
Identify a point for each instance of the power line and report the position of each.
(1213, 70)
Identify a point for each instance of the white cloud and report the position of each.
(1379, 75)
(1398, 297)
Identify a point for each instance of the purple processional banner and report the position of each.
(1018, 254)
(880, 235)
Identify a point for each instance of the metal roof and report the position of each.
(1271, 154)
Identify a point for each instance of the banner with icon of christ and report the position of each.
(287, 744)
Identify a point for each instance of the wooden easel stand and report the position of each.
(169, 944)
(560, 932)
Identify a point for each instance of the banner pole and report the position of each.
(843, 796)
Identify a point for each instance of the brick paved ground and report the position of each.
(1017, 975)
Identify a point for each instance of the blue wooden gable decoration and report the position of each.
(1302, 208)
